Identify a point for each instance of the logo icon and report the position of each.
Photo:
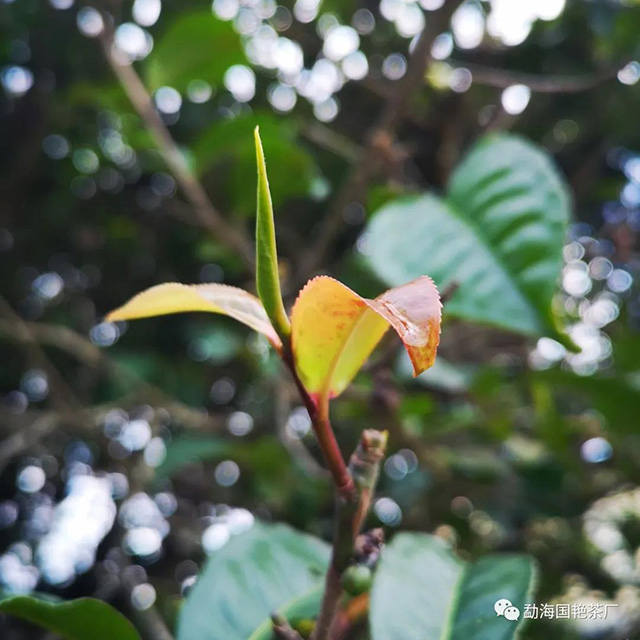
(503, 607)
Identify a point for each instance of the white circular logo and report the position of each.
(504, 607)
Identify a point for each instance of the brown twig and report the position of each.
(32, 335)
(501, 79)
(23, 439)
(355, 611)
(381, 137)
(61, 393)
(149, 620)
(207, 215)
(282, 629)
(326, 138)
(364, 468)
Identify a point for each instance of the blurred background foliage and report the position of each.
(130, 452)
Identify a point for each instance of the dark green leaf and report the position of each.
(83, 619)
(498, 235)
(225, 146)
(615, 397)
(253, 575)
(197, 46)
(423, 592)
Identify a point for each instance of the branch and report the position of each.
(364, 467)
(326, 138)
(282, 629)
(25, 438)
(32, 335)
(149, 620)
(207, 215)
(501, 79)
(61, 393)
(381, 137)
(319, 416)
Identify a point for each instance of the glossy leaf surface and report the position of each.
(498, 234)
(82, 619)
(172, 297)
(334, 330)
(254, 574)
(423, 592)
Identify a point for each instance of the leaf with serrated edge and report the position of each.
(498, 235)
(334, 330)
(172, 297)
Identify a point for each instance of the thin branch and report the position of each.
(282, 629)
(31, 335)
(501, 79)
(61, 393)
(149, 620)
(328, 139)
(207, 215)
(381, 137)
(364, 468)
(85, 352)
(23, 439)
(319, 416)
(294, 445)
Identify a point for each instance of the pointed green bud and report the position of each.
(267, 276)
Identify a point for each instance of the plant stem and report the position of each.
(207, 215)
(319, 415)
(364, 467)
(380, 137)
(282, 629)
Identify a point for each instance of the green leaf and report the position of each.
(445, 375)
(197, 46)
(244, 582)
(423, 592)
(615, 397)
(223, 147)
(498, 234)
(304, 607)
(267, 274)
(82, 619)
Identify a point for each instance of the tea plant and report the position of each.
(268, 581)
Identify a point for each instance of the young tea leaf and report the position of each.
(267, 276)
(334, 330)
(172, 297)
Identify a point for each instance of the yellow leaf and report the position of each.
(334, 330)
(173, 297)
